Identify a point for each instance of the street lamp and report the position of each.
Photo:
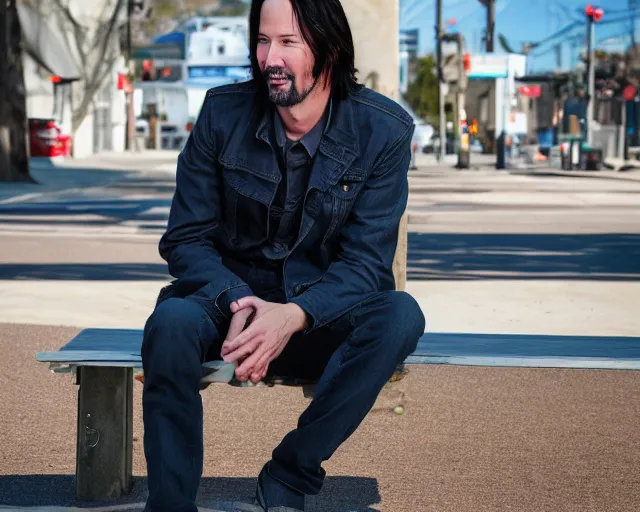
(594, 15)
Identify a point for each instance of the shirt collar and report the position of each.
(311, 141)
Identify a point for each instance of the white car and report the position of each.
(424, 136)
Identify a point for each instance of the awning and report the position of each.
(46, 45)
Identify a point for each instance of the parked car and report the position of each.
(47, 140)
(424, 136)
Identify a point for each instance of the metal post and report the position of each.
(105, 433)
(501, 146)
(622, 131)
(463, 133)
(441, 95)
(5, 143)
(130, 125)
(591, 81)
(491, 23)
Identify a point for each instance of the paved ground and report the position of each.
(490, 252)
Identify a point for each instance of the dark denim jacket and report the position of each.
(227, 178)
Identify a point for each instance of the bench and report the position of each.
(106, 362)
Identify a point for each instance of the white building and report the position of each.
(57, 71)
(215, 54)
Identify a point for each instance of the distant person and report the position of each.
(281, 238)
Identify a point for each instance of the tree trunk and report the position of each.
(14, 155)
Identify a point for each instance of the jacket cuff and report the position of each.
(226, 297)
(312, 319)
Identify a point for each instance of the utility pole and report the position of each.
(633, 6)
(593, 16)
(491, 24)
(5, 139)
(461, 93)
(441, 84)
(591, 80)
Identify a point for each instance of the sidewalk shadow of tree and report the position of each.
(339, 494)
(453, 256)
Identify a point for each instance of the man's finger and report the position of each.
(246, 302)
(237, 325)
(263, 363)
(246, 369)
(250, 332)
(241, 352)
(259, 375)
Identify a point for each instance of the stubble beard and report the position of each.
(290, 97)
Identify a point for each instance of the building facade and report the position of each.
(75, 82)
(375, 25)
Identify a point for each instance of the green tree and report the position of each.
(422, 93)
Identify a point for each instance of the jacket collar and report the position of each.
(339, 145)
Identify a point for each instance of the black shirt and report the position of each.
(295, 160)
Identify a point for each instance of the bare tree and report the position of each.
(14, 159)
(91, 30)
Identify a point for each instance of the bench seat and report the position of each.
(106, 361)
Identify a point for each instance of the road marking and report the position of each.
(23, 197)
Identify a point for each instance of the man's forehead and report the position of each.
(278, 16)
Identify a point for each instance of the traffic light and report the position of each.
(467, 62)
(595, 14)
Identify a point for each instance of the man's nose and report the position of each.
(274, 57)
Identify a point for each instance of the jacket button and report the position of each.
(345, 188)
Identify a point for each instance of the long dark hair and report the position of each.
(325, 28)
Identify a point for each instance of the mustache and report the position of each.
(276, 71)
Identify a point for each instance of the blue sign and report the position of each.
(215, 73)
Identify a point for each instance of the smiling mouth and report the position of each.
(277, 81)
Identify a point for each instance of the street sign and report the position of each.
(531, 91)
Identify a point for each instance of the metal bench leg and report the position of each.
(105, 433)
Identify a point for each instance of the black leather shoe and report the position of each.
(274, 496)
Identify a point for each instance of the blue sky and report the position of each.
(520, 21)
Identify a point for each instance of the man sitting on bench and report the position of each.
(281, 237)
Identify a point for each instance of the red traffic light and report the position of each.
(466, 59)
(595, 13)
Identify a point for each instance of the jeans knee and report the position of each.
(393, 321)
(405, 314)
(173, 336)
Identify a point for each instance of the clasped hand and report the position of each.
(258, 333)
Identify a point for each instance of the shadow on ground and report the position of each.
(86, 271)
(90, 198)
(340, 494)
(607, 257)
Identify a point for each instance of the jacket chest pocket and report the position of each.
(246, 200)
(342, 196)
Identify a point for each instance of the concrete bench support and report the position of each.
(105, 432)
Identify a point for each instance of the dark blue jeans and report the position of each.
(353, 358)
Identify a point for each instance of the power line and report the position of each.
(581, 25)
